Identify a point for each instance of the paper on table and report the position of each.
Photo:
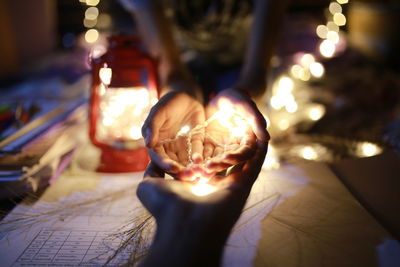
(52, 239)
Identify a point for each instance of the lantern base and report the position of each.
(117, 161)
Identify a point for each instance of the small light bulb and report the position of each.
(308, 153)
(327, 48)
(317, 69)
(184, 130)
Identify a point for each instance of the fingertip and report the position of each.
(197, 158)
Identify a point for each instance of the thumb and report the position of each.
(154, 195)
(153, 170)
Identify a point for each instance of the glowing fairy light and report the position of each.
(306, 60)
(91, 13)
(322, 31)
(184, 130)
(332, 26)
(92, 2)
(334, 8)
(291, 107)
(121, 111)
(342, 2)
(316, 113)
(285, 86)
(305, 75)
(367, 149)
(91, 35)
(271, 160)
(339, 19)
(89, 23)
(135, 132)
(283, 124)
(202, 187)
(333, 36)
(295, 70)
(105, 75)
(327, 48)
(317, 69)
(308, 153)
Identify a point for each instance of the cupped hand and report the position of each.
(173, 111)
(226, 142)
(189, 226)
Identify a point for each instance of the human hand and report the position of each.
(240, 127)
(192, 230)
(165, 120)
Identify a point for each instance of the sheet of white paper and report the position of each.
(89, 235)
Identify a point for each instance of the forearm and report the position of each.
(156, 32)
(268, 15)
(185, 247)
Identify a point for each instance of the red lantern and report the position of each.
(124, 88)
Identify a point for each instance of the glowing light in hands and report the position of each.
(367, 149)
(202, 187)
(184, 130)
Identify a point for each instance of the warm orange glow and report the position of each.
(202, 187)
(105, 75)
(231, 117)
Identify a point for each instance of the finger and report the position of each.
(214, 166)
(208, 150)
(256, 120)
(217, 151)
(253, 167)
(161, 159)
(182, 151)
(197, 148)
(152, 125)
(153, 170)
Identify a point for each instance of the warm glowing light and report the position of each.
(97, 50)
(89, 23)
(305, 75)
(277, 102)
(332, 26)
(92, 2)
(202, 187)
(285, 85)
(135, 133)
(335, 8)
(306, 60)
(316, 113)
(91, 13)
(105, 75)
(122, 113)
(327, 48)
(308, 153)
(82, 1)
(91, 35)
(184, 130)
(339, 19)
(367, 149)
(322, 31)
(291, 107)
(271, 160)
(342, 2)
(317, 69)
(231, 118)
(333, 36)
(295, 70)
(283, 124)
